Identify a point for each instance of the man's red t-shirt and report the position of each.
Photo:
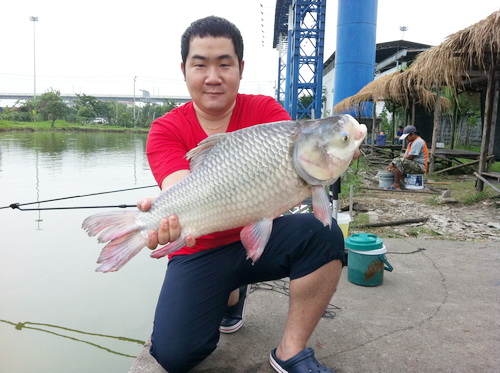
(178, 131)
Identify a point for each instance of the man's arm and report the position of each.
(409, 156)
(416, 149)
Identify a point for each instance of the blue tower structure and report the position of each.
(299, 30)
(355, 50)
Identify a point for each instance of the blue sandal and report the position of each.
(303, 362)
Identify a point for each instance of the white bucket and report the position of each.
(385, 179)
(343, 220)
(415, 181)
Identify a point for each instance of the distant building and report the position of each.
(389, 57)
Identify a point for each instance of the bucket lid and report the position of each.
(364, 242)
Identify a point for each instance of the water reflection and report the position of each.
(47, 262)
(53, 143)
(37, 187)
(24, 325)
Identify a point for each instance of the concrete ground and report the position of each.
(438, 311)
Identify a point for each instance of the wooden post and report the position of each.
(413, 105)
(374, 122)
(454, 118)
(437, 114)
(494, 116)
(374, 116)
(393, 120)
(486, 126)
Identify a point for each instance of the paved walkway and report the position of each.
(438, 311)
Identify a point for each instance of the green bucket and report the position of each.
(366, 259)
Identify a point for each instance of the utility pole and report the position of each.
(403, 29)
(135, 77)
(34, 19)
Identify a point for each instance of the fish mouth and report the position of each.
(361, 132)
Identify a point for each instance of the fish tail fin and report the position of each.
(123, 234)
(119, 251)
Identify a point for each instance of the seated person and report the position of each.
(397, 138)
(381, 138)
(414, 160)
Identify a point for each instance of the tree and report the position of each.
(161, 110)
(86, 113)
(93, 105)
(305, 102)
(52, 106)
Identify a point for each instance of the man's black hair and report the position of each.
(215, 27)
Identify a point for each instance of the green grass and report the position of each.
(351, 177)
(417, 231)
(62, 125)
(434, 200)
(495, 167)
(361, 219)
(463, 189)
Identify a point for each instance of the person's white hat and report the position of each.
(407, 131)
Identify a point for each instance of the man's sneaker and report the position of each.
(235, 315)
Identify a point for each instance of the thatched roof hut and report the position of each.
(463, 56)
(468, 59)
(398, 87)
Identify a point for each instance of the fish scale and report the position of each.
(264, 168)
(244, 179)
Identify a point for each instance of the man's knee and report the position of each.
(178, 358)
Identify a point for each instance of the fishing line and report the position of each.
(18, 205)
(401, 252)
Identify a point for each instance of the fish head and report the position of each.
(324, 148)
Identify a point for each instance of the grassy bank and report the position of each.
(62, 125)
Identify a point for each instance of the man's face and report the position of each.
(212, 74)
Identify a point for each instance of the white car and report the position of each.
(100, 120)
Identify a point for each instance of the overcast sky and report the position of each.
(98, 47)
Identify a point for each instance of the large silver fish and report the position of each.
(244, 179)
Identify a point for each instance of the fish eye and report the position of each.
(345, 136)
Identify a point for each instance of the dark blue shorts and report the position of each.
(194, 295)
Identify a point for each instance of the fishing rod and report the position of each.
(17, 206)
(14, 206)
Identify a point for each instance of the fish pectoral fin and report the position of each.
(170, 248)
(321, 205)
(254, 238)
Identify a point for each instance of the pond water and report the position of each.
(56, 313)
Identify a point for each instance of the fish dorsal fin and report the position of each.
(197, 155)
